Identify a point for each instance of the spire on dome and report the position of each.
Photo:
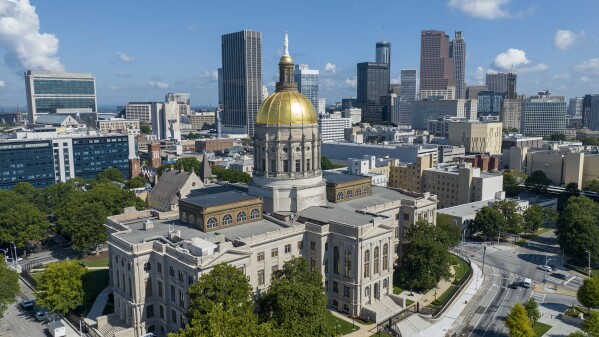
(286, 46)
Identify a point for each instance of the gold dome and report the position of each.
(286, 107)
(286, 59)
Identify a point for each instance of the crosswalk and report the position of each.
(538, 297)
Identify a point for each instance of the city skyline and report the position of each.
(138, 60)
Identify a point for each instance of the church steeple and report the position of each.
(286, 70)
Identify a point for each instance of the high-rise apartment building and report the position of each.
(543, 115)
(489, 102)
(307, 82)
(503, 83)
(511, 111)
(242, 80)
(436, 66)
(383, 52)
(373, 87)
(457, 51)
(59, 92)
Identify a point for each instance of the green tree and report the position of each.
(489, 221)
(295, 302)
(534, 218)
(87, 231)
(513, 219)
(532, 310)
(21, 223)
(60, 287)
(326, 164)
(577, 228)
(572, 189)
(556, 136)
(518, 323)
(9, 286)
(145, 129)
(10, 198)
(453, 232)
(136, 182)
(537, 182)
(53, 196)
(577, 334)
(591, 186)
(512, 181)
(221, 305)
(591, 325)
(231, 176)
(588, 293)
(593, 141)
(28, 191)
(111, 174)
(428, 256)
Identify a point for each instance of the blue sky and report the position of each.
(140, 50)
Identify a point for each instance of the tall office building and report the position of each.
(307, 82)
(242, 80)
(511, 112)
(457, 51)
(575, 106)
(593, 112)
(489, 102)
(59, 92)
(383, 52)
(220, 87)
(543, 115)
(373, 87)
(503, 83)
(436, 66)
(408, 96)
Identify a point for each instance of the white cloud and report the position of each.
(484, 9)
(158, 84)
(124, 57)
(565, 39)
(211, 75)
(586, 79)
(516, 60)
(330, 68)
(25, 46)
(352, 82)
(481, 75)
(588, 68)
(2, 84)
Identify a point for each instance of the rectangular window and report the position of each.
(274, 252)
(298, 165)
(287, 249)
(273, 165)
(161, 312)
(261, 277)
(171, 271)
(346, 291)
(159, 267)
(406, 216)
(181, 298)
(160, 289)
(189, 279)
(312, 265)
(312, 245)
(307, 164)
(286, 166)
(180, 275)
(260, 256)
(326, 246)
(300, 244)
(335, 287)
(174, 316)
(150, 311)
(275, 268)
(172, 293)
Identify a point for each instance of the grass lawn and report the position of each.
(342, 326)
(541, 328)
(361, 321)
(397, 290)
(460, 267)
(446, 295)
(36, 276)
(94, 281)
(96, 260)
(409, 302)
(381, 334)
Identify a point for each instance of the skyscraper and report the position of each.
(220, 87)
(59, 92)
(457, 51)
(543, 115)
(373, 87)
(383, 52)
(503, 83)
(593, 112)
(408, 96)
(242, 80)
(575, 106)
(307, 82)
(436, 66)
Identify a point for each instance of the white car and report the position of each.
(545, 267)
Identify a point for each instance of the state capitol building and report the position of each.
(348, 230)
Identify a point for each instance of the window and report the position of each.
(312, 245)
(173, 293)
(181, 275)
(385, 283)
(181, 298)
(335, 304)
(376, 260)
(326, 246)
(227, 219)
(148, 287)
(336, 260)
(261, 277)
(396, 232)
(150, 311)
(347, 263)
(326, 265)
(159, 267)
(275, 268)
(339, 196)
(300, 244)
(346, 291)
(174, 316)
(349, 194)
(307, 164)
(298, 165)
(286, 166)
(241, 216)
(260, 256)
(274, 252)
(160, 289)
(189, 279)
(385, 256)
(171, 271)
(273, 165)
(288, 249)
(161, 312)
(147, 266)
(358, 192)
(366, 190)
(335, 287)
(212, 222)
(254, 214)
(405, 232)
(367, 263)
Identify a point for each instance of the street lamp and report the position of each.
(546, 267)
(15, 256)
(589, 252)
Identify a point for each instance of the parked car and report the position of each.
(545, 267)
(40, 315)
(559, 276)
(27, 305)
(51, 317)
(514, 285)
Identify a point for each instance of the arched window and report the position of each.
(366, 190)
(147, 266)
(349, 194)
(212, 222)
(367, 292)
(336, 260)
(241, 216)
(347, 263)
(184, 217)
(254, 214)
(358, 192)
(227, 219)
(191, 219)
(385, 283)
(376, 260)
(367, 263)
(385, 256)
(339, 196)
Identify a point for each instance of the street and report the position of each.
(18, 322)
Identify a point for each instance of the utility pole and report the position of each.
(484, 253)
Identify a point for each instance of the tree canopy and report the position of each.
(9, 286)
(532, 310)
(145, 129)
(591, 186)
(231, 176)
(60, 287)
(556, 136)
(537, 182)
(591, 325)
(512, 181)
(453, 232)
(326, 164)
(518, 323)
(489, 221)
(534, 218)
(295, 302)
(111, 174)
(22, 222)
(588, 292)
(136, 182)
(514, 221)
(578, 228)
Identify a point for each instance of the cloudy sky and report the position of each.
(139, 50)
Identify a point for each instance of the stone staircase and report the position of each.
(412, 325)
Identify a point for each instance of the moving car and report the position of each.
(545, 267)
(559, 276)
(514, 285)
(27, 305)
(527, 283)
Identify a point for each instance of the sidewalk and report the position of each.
(99, 304)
